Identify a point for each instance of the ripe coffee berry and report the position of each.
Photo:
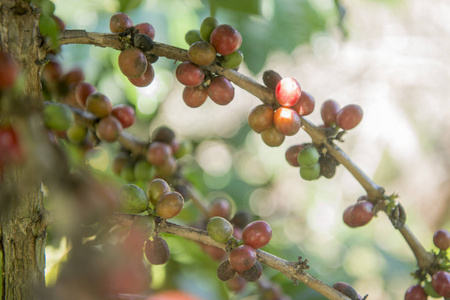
(328, 112)
(242, 258)
(158, 153)
(305, 105)
(358, 214)
(349, 116)
(125, 114)
(119, 22)
(108, 129)
(292, 154)
(287, 121)
(157, 251)
(272, 137)
(441, 239)
(441, 283)
(163, 134)
(98, 104)
(145, 79)
(147, 29)
(220, 207)
(257, 234)
(82, 91)
(132, 62)
(225, 39)
(288, 92)
(261, 118)
(195, 96)
(220, 90)
(189, 74)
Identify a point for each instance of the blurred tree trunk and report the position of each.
(22, 232)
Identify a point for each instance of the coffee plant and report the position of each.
(118, 222)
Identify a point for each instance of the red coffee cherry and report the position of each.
(272, 137)
(242, 258)
(132, 62)
(441, 283)
(220, 90)
(287, 121)
(441, 239)
(98, 104)
(415, 292)
(225, 39)
(157, 251)
(220, 207)
(328, 112)
(358, 214)
(305, 105)
(288, 92)
(257, 234)
(158, 153)
(75, 75)
(189, 74)
(145, 79)
(9, 70)
(125, 114)
(82, 91)
(147, 29)
(195, 96)
(261, 118)
(271, 79)
(119, 22)
(202, 53)
(349, 116)
(108, 129)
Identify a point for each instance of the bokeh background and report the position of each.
(389, 56)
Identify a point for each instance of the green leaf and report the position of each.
(127, 5)
(252, 7)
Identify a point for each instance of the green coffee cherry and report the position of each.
(207, 27)
(76, 133)
(310, 173)
(127, 172)
(143, 170)
(233, 60)
(133, 199)
(308, 156)
(192, 36)
(429, 290)
(219, 229)
(58, 117)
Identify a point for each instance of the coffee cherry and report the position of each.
(184, 148)
(236, 284)
(220, 90)
(9, 70)
(327, 166)
(225, 39)
(429, 290)
(192, 36)
(441, 239)
(305, 105)
(52, 74)
(133, 199)
(346, 289)
(74, 76)
(143, 170)
(272, 137)
(219, 229)
(261, 118)
(132, 62)
(145, 79)
(225, 271)
(119, 22)
(167, 169)
(220, 207)
(58, 117)
(202, 53)
(157, 251)
(288, 92)
(349, 116)
(108, 129)
(11, 150)
(242, 258)
(98, 104)
(292, 154)
(287, 121)
(125, 114)
(310, 173)
(195, 96)
(189, 74)
(241, 219)
(158, 153)
(147, 29)
(257, 234)
(441, 283)
(76, 133)
(119, 161)
(156, 188)
(232, 61)
(169, 205)
(82, 91)
(254, 273)
(328, 112)
(308, 156)
(207, 27)
(127, 172)
(271, 79)
(163, 134)
(358, 214)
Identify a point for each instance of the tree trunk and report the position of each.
(22, 232)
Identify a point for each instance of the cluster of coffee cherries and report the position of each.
(214, 42)
(133, 62)
(159, 161)
(241, 259)
(11, 152)
(439, 285)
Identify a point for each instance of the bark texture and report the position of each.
(22, 233)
